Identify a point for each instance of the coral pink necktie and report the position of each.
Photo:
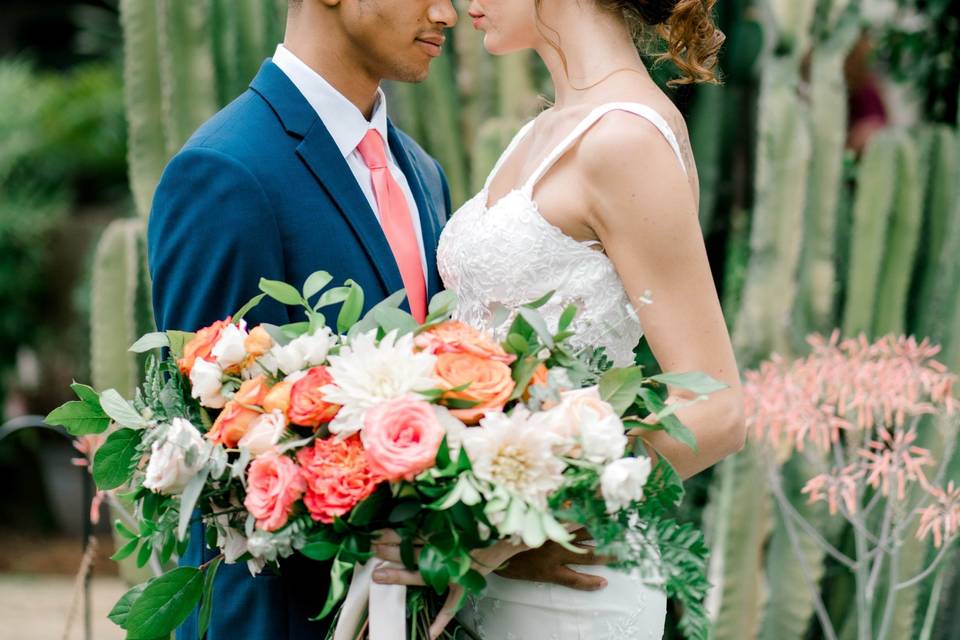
(396, 222)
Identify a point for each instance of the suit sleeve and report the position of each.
(212, 235)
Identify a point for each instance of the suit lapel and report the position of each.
(322, 156)
(429, 227)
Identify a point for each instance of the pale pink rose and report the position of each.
(401, 437)
(568, 417)
(274, 484)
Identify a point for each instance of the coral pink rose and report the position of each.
(402, 437)
(454, 336)
(201, 345)
(232, 424)
(308, 406)
(490, 383)
(274, 484)
(338, 476)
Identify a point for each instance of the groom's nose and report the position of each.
(442, 12)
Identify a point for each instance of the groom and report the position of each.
(304, 172)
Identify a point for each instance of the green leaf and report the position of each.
(539, 302)
(178, 340)
(321, 550)
(472, 581)
(338, 586)
(123, 530)
(155, 340)
(433, 568)
(79, 418)
(114, 463)
(315, 283)
(695, 381)
(245, 309)
(295, 329)
(441, 304)
(281, 292)
(206, 603)
(620, 387)
(143, 556)
(518, 343)
(539, 325)
(679, 432)
(566, 318)
(121, 411)
(405, 510)
(396, 319)
(364, 512)
(331, 297)
(351, 309)
(126, 550)
(164, 604)
(121, 610)
(459, 403)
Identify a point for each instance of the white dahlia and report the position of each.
(366, 373)
(516, 454)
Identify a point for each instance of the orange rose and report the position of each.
(454, 336)
(201, 345)
(258, 342)
(232, 424)
(491, 383)
(278, 398)
(252, 392)
(307, 404)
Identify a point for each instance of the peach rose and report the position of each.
(278, 398)
(454, 336)
(201, 345)
(307, 404)
(258, 342)
(232, 424)
(274, 484)
(252, 392)
(491, 383)
(402, 437)
(338, 476)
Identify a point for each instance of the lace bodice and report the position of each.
(509, 254)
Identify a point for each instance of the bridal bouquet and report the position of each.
(314, 439)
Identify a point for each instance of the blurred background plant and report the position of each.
(829, 161)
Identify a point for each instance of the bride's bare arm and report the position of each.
(643, 210)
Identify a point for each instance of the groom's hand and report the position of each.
(549, 564)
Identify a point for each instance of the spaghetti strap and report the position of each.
(641, 110)
(507, 152)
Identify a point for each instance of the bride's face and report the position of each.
(508, 25)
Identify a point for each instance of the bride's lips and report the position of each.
(477, 19)
(432, 44)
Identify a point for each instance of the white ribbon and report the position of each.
(386, 605)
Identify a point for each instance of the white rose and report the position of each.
(231, 542)
(567, 418)
(603, 438)
(206, 380)
(176, 458)
(303, 352)
(264, 365)
(264, 433)
(622, 482)
(229, 350)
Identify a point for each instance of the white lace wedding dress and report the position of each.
(509, 254)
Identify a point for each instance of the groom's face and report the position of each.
(397, 39)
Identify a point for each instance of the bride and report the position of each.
(597, 199)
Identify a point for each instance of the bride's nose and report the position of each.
(442, 12)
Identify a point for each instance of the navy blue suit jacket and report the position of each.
(262, 190)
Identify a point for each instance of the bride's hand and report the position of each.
(485, 561)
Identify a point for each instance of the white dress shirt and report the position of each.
(347, 127)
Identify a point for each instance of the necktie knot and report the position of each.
(373, 151)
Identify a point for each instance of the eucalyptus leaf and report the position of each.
(315, 283)
(443, 303)
(276, 333)
(188, 500)
(178, 340)
(331, 297)
(539, 302)
(281, 292)
(164, 604)
(396, 319)
(115, 460)
(539, 325)
(566, 318)
(150, 341)
(695, 381)
(121, 411)
(620, 387)
(206, 602)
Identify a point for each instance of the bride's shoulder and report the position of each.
(623, 143)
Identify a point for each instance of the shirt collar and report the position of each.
(344, 121)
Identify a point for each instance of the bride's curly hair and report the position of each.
(686, 26)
